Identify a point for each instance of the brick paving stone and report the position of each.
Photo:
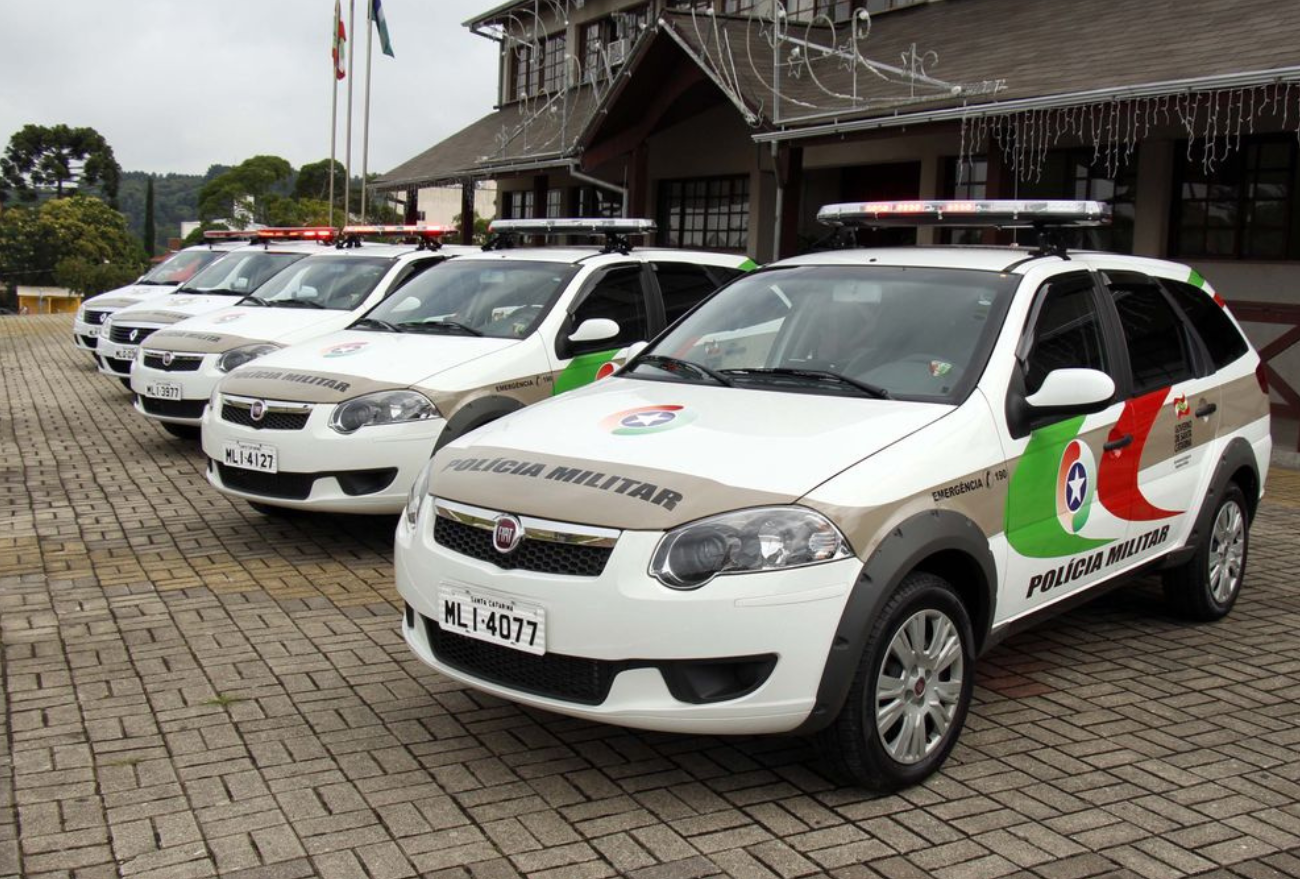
(193, 689)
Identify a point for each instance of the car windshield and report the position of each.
(180, 267)
(240, 272)
(337, 283)
(504, 299)
(878, 331)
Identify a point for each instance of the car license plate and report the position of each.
(163, 391)
(250, 456)
(123, 353)
(492, 618)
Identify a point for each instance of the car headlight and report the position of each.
(81, 314)
(385, 407)
(419, 491)
(237, 357)
(762, 539)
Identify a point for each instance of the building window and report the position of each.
(554, 203)
(1073, 174)
(738, 7)
(553, 78)
(1241, 209)
(525, 70)
(711, 213)
(517, 205)
(607, 41)
(593, 202)
(966, 180)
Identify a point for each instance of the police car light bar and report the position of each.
(229, 235)
(573, 226)
(297, 233)
(412, 231)
(1000, 213)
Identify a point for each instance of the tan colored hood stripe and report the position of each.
(300, 386)
(196, 342)
(111, 303)
(153, 317)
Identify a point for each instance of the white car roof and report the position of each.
(596, 255)
(991, 259)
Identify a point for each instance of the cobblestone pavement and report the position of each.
(192, 689)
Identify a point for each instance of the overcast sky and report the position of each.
(178, 85)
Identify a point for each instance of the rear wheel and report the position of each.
(1206, 586)
(911, 691)
(182, 431)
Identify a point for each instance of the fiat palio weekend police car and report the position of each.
(345, 422)
(158, 281)
(180, 366)
(223, 282)
(811, 504)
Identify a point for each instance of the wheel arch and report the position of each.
(476, 413)
(940, 542)
(1237, 465)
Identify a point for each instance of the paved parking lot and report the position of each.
(192, 689)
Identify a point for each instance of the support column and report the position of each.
(789, 175)
(541, 185)
(1155, 191)
(638, 183)
(467, 211)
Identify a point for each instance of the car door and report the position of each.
(1169, 420)
(1056, 530)
(680, 286)
(617, 292)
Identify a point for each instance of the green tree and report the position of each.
(35, 240)
(86, 278)
(313, 181)
(47, 160)
(150, 231)
(243, 194)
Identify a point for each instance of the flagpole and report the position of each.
(365, 124)
(347, 149)
(334, 122)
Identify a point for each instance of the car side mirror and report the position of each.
(594, 329)
(1072, 391)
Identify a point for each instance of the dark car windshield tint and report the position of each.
(339, 283)
(180, 267)
(901, 332)
(240, 272)
(504, 299)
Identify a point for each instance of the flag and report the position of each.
(340, 42)
(381, 23)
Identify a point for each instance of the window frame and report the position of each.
(667, 215)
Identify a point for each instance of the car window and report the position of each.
(180, 267)
(913, 331)
(241, 272)
(1220, 336)
(682, 285)
(338, 283)
(501, 298)
(1066, 332)
(620, 297)
(1158, 347)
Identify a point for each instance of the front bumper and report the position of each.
(195, 387)
(85, 336)
(115, 359)
(319, 469)
(638, 633)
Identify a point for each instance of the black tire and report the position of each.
(853, 745)
(1206, 586)
(273, 511)
(182, 431)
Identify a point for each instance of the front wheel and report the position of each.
(911, 691)
(1206, 586)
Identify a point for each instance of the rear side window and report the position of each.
(1067, 330)
(1222, 339)
(682, 285)
(1158, 349)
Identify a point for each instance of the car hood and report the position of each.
(358, 360)
(238, 325)
(172, 309)
(628, 453)
(129, 295)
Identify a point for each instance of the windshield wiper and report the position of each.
(292, 303)
(377, 323)
(675, 366)
(421, 325)
(820, 375)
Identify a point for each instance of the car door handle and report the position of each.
(1205, 410)
(1116, 444)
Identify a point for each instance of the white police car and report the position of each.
(158, 281)
(225, 281)
(811, 504)
(344, 423)
(180, 366)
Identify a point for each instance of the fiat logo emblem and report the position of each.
(167, 358)
(135, 334)
(258, 410)
(507, 533)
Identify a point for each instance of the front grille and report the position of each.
(542, 556)
(122, 334)
(95, 318)
(570, 678)
(121, 367)
(290, 486)
(272, 420)
(173, 408)
(178, 364)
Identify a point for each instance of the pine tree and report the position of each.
(150, 233)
